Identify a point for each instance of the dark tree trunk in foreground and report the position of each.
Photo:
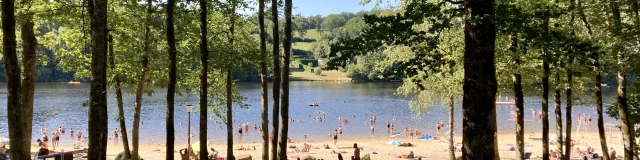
(517, 90)
(204, 67)
(452, 148)
(276, 81)
(480, 86)
(597, 88)
(569, 106)
(284, 113)
(229, 82)
(142, 82)
(171, 89)
(263, 82)
(29, 46)
(15, 112)
(558, 111)
(228, 87)
(627, 128)
(98, 119)
(545, 107)
(118, 88)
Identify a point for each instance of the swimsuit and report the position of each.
(335, 137)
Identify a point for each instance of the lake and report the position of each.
(59, 104)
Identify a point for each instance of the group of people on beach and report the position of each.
(55, 137)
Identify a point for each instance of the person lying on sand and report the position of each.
(407, 156)
(406, 145)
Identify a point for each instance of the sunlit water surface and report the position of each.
(61, 104)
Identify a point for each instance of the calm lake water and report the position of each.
(61, 104)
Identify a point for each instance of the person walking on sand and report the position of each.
(115, 135)
(335, 137)
(406, 132)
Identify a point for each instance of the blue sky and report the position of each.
(326, 7)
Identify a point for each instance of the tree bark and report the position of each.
(558, 111)
(284, 113)
(276, 81)
(118, 88)
(142, 81)
(204, 67)
(517, 90)
(18, 139)
(597, 89)
(627, 128)
(569, 106)
(480, 86)
(98, 121)
(171, 89)
(29, 46)
(452, 148)
(545, 93)
(263, 82)
(229, 84)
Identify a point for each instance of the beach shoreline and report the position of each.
(431, 149)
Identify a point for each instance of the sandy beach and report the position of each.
(432, 149)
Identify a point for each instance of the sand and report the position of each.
(433, 149)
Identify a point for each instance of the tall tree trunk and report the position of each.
(284, 113)
(597, 84)
(98, 119)
(263, 82)
(229, 84)
(480, 86)
(558, 111)
(19, 139)
(452, 148)
(171, 89)
(118, 87)
(276, 80)
(29, 46)
(204, 67)
(545, 91)
(142, 82)
(567, 153)
(517, 90)
(627, 128)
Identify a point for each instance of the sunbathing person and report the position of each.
(406, 145)
(356, 152)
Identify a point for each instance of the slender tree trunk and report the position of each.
(142, 82)
(204, 67)
(558, 111)
(276, 81)
(567, 153)
(98, 121)
(118, 88)
(452, 148)
(627, 128)
(545, 108)
(517, 90)
(263, 82)
(597, 84)
(480, 86)
(229, 84)
(284, 114)
(171, 89)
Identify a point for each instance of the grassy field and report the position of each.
(312, 34)
(300, 74)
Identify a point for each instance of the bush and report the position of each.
(317, 71)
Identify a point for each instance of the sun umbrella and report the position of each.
(196, 146)
(394, 142)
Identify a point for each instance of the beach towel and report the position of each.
(426, 137)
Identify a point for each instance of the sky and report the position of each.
(326, 7)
